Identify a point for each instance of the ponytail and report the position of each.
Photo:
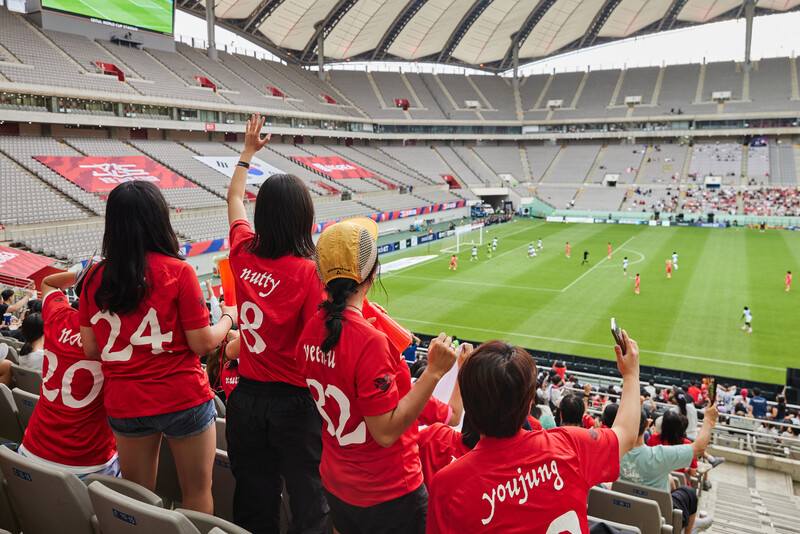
(32, 329)
(339, 289)
(680, 398)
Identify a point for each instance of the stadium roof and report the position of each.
(475, 33)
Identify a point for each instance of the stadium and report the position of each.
(510, 201)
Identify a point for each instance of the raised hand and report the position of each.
(253, 142)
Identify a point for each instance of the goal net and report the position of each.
(467, 236)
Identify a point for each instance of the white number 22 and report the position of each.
(357, 436)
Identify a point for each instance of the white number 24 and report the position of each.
(156, 339)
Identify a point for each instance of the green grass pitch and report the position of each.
(690, 322)
(153, 15)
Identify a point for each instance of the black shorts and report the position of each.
(685, 499)
(406, 514)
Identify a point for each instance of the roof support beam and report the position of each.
(597, 23)
(525, 30)
(461, 30)
(671, 15)
(749, 13)
(264, 9)
(325, 27)
(211, 21)
(400, 22)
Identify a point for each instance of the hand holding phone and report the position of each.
(617, 333)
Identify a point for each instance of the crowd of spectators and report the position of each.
(318, 396)
(784, 201)
(704, 201)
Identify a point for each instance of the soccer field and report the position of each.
(690, 322)
(153, 15)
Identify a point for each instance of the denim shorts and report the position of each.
(183, 424)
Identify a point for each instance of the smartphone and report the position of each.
(617, 333)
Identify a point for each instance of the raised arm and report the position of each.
(704, 434)
(626, 425)
(20, 303)
(57, 281)
(253, 142)
(456, 403)
(388, 427)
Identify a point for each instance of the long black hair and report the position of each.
(680, 400)
(283, 220)
(32, 329)
(673, 428)
(339, 289)
(137, 222)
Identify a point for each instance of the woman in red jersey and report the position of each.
(68, 427)
(362, 386)
(273, 427)
(142, 313)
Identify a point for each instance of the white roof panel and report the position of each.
(563, 23)
(778, 5)
(706, 10)
(489, 37)
(235, 9)
(429, 30)
(291, 25)
(362, 28)
(631, 16)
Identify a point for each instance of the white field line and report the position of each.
(517, 248)
(94, 9)
(640, 260)
(596, 265)
(609, 347)
(475, 283)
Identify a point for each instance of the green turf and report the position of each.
(690, 322)
(153, 15)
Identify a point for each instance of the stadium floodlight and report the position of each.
(469, 235)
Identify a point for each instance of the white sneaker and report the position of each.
(701, 524)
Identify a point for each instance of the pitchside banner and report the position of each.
(334, 167)
(101, 175)
(258, 173)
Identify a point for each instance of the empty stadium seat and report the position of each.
(26, 403)
(222, 442)
(119, 514)
(29, 380)
(10, 426)
(8, 518)
(7, 352)
(127, 488)
(672, 516)
(207, 523)
(167, 485)
(627, 510)
(223, 484)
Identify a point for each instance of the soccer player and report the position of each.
(585, 257)
(567, 249)
(636, 287)
(453, 264)
(748, 318)
(669, 268)
(788, 279)
(531, 252)
(625, 266)
(494, 244)
(609, 249)
(474, 254)
(488, 251)
(675, 260)
(540, 243)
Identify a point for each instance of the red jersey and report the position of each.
(362, 376)
(694, 392)
(452, 261)
(656, 439)
(69, 424)
(148, 366)
(439, 445)
(788, 279)
(229, 377)
(435, 411)
(275, 298)
(637, 281)
(588, 421)
(536, 481)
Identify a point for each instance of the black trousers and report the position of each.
(274, 431)
(685, 499)
(403, 515)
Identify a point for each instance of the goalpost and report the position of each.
(469, 235)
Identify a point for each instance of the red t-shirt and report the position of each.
(435, 411)
(362, 376)
(694, 392)
(588, 421)
(148, 366)
(229, 377)
(439, 445)
(275, 298)
(656, 439)
(536, 481)
(69, 424)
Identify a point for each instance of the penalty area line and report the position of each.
(595, 266)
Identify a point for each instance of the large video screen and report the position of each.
(152, 15)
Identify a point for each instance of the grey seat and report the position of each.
(206, 523)
(624, 529)
(220, 406)
(222, 442)
(7, 352)
(46, 500)
(26, 403)
(10, 426)
(627, 510)
(27, 379)
(119, 514)
(672, 516)
(167, 485)
(127, 488)
(223, 484)
(8, 518)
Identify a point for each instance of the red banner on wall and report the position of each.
(334, 167)
(101, 175)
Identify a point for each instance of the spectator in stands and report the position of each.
(273, 427)
(69, 428)
(370, 465)
(571, 409)
(534, 481)
(609, 415)
(693, 391)
(651, 466)
(758, 404)
(143, 313)
(217, 361)
(684, 405)
(778, 412)
(7, 305)
(440, 445)
(560, 368)
(31, 355)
